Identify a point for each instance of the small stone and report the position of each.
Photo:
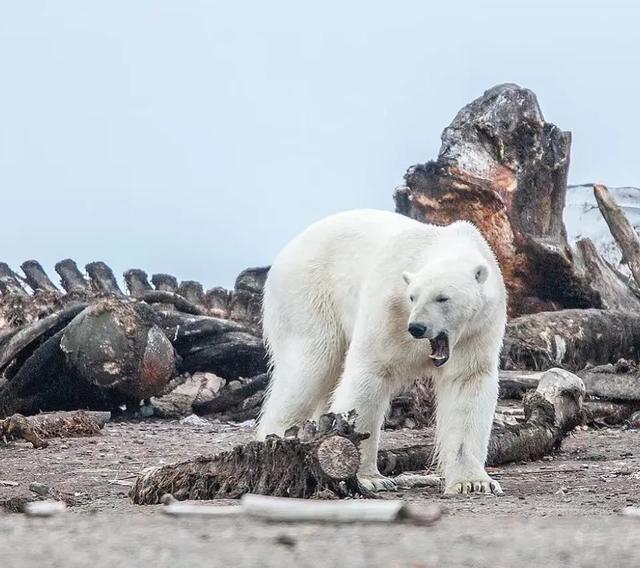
(39, 488)
(146, 411)
(194, 420)
(285, 540)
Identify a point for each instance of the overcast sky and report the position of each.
(197, 137)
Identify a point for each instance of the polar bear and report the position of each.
(364, 302)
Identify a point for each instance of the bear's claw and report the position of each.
(485, 486)
(377, 482)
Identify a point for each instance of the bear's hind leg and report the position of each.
(304, 374)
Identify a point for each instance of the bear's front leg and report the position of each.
(363, 389)
(464, 415)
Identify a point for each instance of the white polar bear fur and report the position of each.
(335, 316)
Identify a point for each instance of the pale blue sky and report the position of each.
(197, 137)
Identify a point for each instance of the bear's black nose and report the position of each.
(417, 329)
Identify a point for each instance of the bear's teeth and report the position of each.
(438, 357)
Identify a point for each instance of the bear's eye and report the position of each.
(442, 299)
(412, 298)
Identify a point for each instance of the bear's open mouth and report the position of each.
(440, 349)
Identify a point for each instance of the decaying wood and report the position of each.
(621, 229)
(612, 382)
(551, 411)
(605, 413)
(318, 461)
(36, 429)
(514, 384)
(571, 339)
(503, 167)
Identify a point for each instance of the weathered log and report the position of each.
(604, 413)
(571, 339)
(551, 411)
(102, 278)
(514, 384)
(36, 277)
(36, 429)
(137, 281)
(612, 287)
(9, 282)
(110, 346)
(71, 278)
(504, 168)
(322, 460)
(622, 231)
(608, 382)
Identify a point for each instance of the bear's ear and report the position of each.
(481, 274)
(407, 277)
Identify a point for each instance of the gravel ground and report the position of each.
(562, 511)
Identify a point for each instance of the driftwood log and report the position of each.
(503, 167)
(619, 382)
(571, 339)
(320, 459)
(551, 411)
(36, 429)
(621, 229)
(90, 345)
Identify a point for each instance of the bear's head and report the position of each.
(449, 298)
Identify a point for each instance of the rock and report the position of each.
(634, 421)
(194, 420)
(39, 488)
